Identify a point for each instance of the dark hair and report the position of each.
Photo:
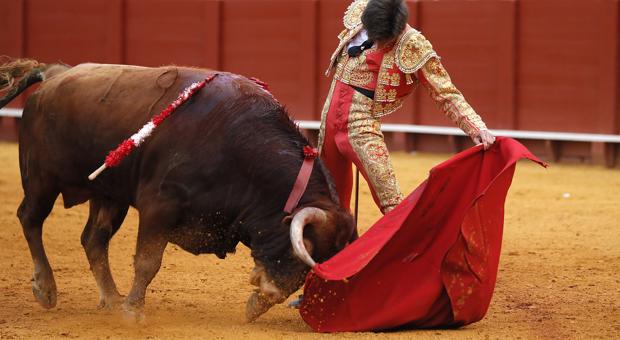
(385, 19)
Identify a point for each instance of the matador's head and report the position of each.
(385, 20)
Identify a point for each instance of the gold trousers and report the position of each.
(350, 134)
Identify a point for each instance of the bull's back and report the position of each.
(90, 101)
(77, 117)
(81, 114)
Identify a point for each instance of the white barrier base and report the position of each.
(446, 131)
(452, 131)
(11, 113)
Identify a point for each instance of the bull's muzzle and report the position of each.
(263, 298)
(268, 294)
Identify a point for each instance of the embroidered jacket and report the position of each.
(395, 70)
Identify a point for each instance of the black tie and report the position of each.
(357, 50)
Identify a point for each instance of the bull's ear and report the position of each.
(287, 220)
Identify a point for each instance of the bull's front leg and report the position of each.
(150, 248)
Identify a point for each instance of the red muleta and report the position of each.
(432, 261)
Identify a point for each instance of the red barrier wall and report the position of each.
(274, 41)
(617, 58)
(181, 32)
(478, 50)
(330, 19)
(12, 38)
(522, 64)
(567, 65)
(73, 31)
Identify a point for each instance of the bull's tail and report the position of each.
(17, 75)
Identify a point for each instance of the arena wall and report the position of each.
(540, 65)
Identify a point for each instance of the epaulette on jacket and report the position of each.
(413, 50)
(353, 15)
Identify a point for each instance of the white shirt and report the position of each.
(359, 39)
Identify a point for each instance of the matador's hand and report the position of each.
(484, 137)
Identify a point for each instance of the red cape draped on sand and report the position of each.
(432, 261)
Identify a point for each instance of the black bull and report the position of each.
(216, 173)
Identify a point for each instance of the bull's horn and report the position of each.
(300, 220)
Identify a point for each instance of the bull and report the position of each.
(216, 173)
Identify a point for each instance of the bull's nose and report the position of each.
(267, 288)
(256, 306)
(262, 300)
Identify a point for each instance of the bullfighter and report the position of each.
(379, 61)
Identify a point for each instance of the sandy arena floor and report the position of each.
(559, 273)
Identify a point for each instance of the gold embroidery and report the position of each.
(384, 109)
(395, 80)
(361, 77)
(382, 94)
(449, 99)
(353, 71)
(413, 51)
(384, 78)
(389, 79)
(367, 140)
(435, 66)
(353, 16)
(343, 34)
(342, 60)
(388, 60)
(391, 95)
(409, 78)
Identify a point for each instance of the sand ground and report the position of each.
(559, 272)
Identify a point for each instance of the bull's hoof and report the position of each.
(108, 303)
(44, 293)
(133, 315)
(256, 306)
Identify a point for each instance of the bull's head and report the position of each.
(328, 232)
